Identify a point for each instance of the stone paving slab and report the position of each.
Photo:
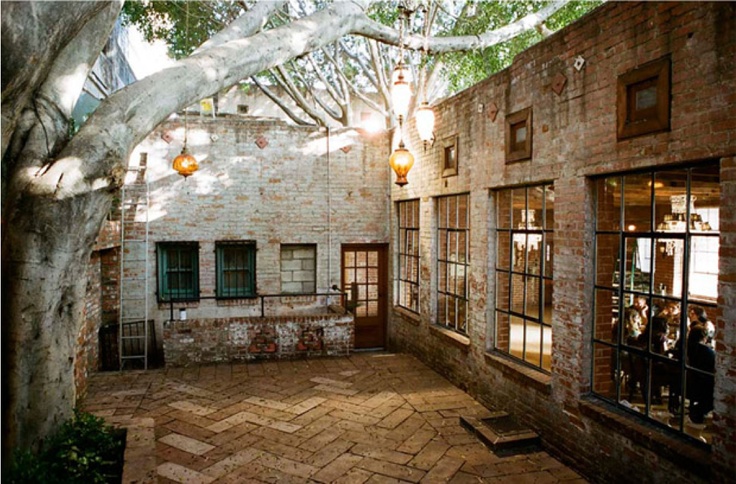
(366, 418)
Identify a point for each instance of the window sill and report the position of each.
(166, 305)
(238, 301)
(407, 316)
(519, 373)
(690, 455)
(460, 341)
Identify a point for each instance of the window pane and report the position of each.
(503, 250)
(606, 259)
(637, 270)
(549, 214)
(605, 325)
(608, 203)
(638, 202)
(502, 331)
(532, 297)
(502, 291)
(670, 197)
(503, 209)
(519, 207)
(516, 339)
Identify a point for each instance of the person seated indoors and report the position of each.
(700, 384)
(640, 305)
(697, 315)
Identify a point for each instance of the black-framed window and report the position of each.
(408, 251)
(656, 288)
(525, 242)
(178, 271)
(453, 260)
(235, 266)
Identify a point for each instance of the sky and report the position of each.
(145, 58)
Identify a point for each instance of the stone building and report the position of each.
(545, 255)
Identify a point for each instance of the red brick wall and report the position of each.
(574, 138)
(85, 360)
(195, 341)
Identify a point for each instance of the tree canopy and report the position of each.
(352, 66)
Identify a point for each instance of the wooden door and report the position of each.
(365, 280)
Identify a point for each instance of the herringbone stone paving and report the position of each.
(370, 417)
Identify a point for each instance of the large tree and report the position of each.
(58, 184)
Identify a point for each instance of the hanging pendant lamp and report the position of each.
(401, 162)
(185, 164)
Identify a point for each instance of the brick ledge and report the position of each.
(690, 455)
(407, 316)
(460, 341)
(541, 382)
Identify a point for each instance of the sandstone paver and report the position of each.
(367, 418)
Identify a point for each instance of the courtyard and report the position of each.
(370, 417)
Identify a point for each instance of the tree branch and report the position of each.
(436, 45)
(300, 100)
(251, 22)
(273, 97)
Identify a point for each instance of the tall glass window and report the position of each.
(408, 251)
(524, 241)
(453, 238)
(655, 294)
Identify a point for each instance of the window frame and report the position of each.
(248, 290)
(652, 119)
(507, 272)
(458, 298)
(408, 229)
(450, 163)
(163, 271)
(612, 292)
(516, 151)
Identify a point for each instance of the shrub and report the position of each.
(84, 450)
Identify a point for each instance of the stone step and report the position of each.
(501, 433)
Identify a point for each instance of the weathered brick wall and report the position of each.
(574, 138)
(269, 182)
(246, 339)
(85, 359)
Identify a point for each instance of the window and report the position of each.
(449, 156)
(643, 100)
(408, 251)
(236, 269)
(298, 268)
(519, 136)
(656, 268)
(453, 231)
(524, 241)
(178, 271)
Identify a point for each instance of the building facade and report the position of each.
(570, 215)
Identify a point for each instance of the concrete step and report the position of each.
(501, 433)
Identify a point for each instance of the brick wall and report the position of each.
(268, 182)
(86, 359)
(217, 340)
(574, 138)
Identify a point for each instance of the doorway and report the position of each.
(365, 280)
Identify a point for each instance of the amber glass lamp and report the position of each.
(185, 164)
(401, 162)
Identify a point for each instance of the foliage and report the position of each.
(84, 450)
(464, 69)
